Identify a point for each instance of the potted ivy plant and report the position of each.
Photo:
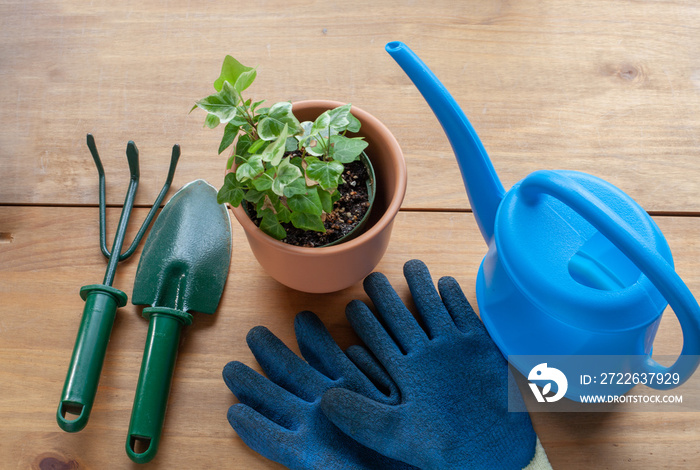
(314, 184)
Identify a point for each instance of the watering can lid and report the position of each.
(558, 260)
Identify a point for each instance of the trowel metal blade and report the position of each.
(186, 258)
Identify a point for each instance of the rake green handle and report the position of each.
(80, 387)
(155, 378)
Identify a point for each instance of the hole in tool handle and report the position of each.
(72, 416)
(139, 448)
(155, 378)
(102, 300)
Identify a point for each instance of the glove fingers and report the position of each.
(372, 424)
(283, 367)
(387, 391)
(372, 333)
(399, 321)
(435, 316)
(260, 394)
(258, 432)
(319, 349)
(459, 307)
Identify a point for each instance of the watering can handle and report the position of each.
(646, 258)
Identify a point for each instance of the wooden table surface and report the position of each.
(611, 88)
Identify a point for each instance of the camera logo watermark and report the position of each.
(553, 376)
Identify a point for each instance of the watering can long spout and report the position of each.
(483, 187)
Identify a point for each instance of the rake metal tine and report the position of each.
(102, 300)
(147, 221)
(101, 172)
(101, 303)
(132, 155)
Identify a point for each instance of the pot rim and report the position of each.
(386, 219)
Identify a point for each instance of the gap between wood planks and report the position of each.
(403, 209)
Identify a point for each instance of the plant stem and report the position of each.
(250, 118)
(328, 144)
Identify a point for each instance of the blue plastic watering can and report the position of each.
(574, 265)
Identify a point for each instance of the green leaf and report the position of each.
(297, 162)
(230, 133)
(274, 152)
(322, 123)
(296, 187)
(239, 120)
(307, 221)
(306, 127)
(229, 162)
(290, 145)
(309, 160)
(222, 104)
(339, 118)
(335, 197)
(271, 226)
(354, 124)
(316, 147)
(232, 71)
(231, 192)
(264, 181)
(326, 201)
(245, 80)
(250, 169)
(211, 121)
(304, 134)
(283, 213)
(317, 141)
(243, 144)
(253, 196)
(279, 115)
(308, 202)
(326, 173)
(282, 112)
(257, 145)
(342, 119)
(346, 149)
(286, 174)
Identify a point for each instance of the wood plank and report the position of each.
(46, 254)
(606, 87)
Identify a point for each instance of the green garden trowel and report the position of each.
(183, 268)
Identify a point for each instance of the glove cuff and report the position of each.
(540, 460)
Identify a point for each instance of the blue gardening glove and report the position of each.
(452, 380)
(280, 416)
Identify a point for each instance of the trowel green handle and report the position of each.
(155, 378)
(80, 387)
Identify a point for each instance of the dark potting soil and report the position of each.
(347, 211)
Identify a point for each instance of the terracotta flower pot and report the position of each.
(332, 268)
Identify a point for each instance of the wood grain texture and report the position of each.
(611, 88)
(54, 251)
(607, 87)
